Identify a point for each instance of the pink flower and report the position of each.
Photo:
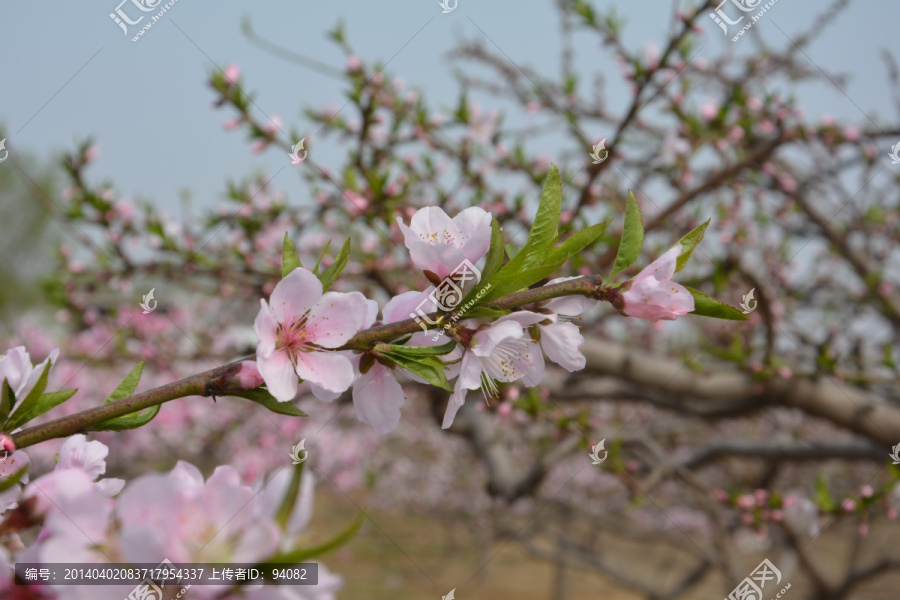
(501, 352)
(652, 295)
(297, 331)
(562, 339)
(19, 373)
(353, 64)
(851, 134)
(249, 375)
(6, 443)
(440, 244)
(232, 73)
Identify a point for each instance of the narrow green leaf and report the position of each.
(577, 242)
(321, 256)
(546, 222)
(503, 285)
(289, 500)
(512, 250)
(632, 237)
(417, 351)
(7, 399)
(129, 421)
(304, 554)
(128, 385)
(290, 260)
(704, 306)
(429, 368)
(46, 402)
(688, 243)
(25, 406)
(9, 482)
(494, 259)
(267, 400)
(332, 272)
(489, 312)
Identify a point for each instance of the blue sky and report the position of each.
(67, 72)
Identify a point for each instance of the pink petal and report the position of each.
(294, 295)
(662, 268)
(278, 373)
(487, 340)
(323, 394)
(401, 306)
(378, 397)
(329, 370)
(336, 318)
(457, 399)
(266, 328)
(562, 343)
(525, 318)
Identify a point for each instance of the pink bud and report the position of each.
(849, 505)
(721, 495)
(6, 443)
(851, 134)
(353, 64)
(866, 491)
(232, 73)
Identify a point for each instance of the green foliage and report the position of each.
(632, 237)
(290, 260)
(332, 272)
(688, 243)
(124, 390)
(415, 360)
(267, 400)
(704, 306)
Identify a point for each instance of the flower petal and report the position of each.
(487, 340)
(662, 268)
(378, 397)
(336, 318)
(457, 399)
(279, 375)
(329, 370)
(562, 342)
(294, 295)
(266, 328)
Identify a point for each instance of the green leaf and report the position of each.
(289, 500)
(13, 479)
(290, 260)
(418, 351)
(129, 421)
(494, 259)
(267, 400)
(632, 237)
(128, 385)
(332, 272)
(304, 554)
(490, 312)
(704, 306)
(546, 222)
(429, 368)
(512, 250)
(688, 243)
(46, 402)
(7, 400)
(20, 413)
(321, 256)
(577, 242)
(503, 285)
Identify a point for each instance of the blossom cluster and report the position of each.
(301, 326)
